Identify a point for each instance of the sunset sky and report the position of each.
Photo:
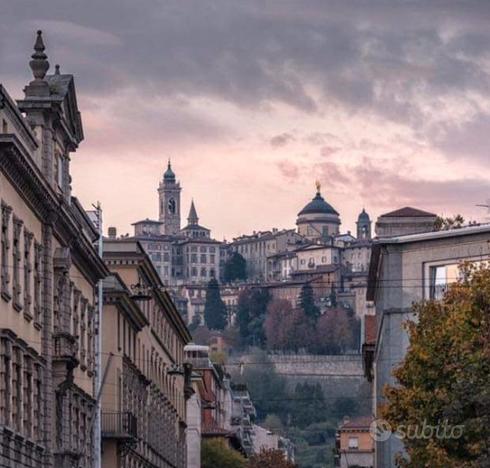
(387, 103)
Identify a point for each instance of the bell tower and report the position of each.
(169, 202)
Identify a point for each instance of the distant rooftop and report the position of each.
(408, 212)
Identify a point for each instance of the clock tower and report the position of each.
(169, 203)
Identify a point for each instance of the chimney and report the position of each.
(112, 232)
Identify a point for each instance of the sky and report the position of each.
(385, 102)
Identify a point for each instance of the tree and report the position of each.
(446, 223)
(309, 404)
(307, 302)
(251, 313)
(445, 376)
(215, 313)
(215, 452)
(335, 332)
(270, 458)
(235, 268)
(287, 329)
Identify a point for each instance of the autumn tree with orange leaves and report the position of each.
(445, 377)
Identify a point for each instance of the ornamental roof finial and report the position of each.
(318, 186)
(39, 63)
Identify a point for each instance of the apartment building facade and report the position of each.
(49, 272)
(145, 386)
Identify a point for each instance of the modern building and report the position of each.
(354, 444)
(404, 270)
(144, 392)
(48, 275)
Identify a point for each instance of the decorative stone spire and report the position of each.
(39, 63)
(318, 186)
(193, 219)
(56, 69)
(39, 66)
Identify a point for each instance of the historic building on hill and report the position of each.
(48, 275)
(182, 256)
(317, 253)
(318, 219)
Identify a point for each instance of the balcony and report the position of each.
(122, 426)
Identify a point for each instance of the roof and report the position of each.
(318, 205)
(169, 174)
(146, 221)
(412, 238)
(363, 216)
(195, 226)
(362, 422)
(408, 212)
(370, 329)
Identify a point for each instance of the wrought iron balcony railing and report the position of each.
(119, 425)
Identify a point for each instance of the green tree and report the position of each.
(309, 404)
(251, 314)
(307, 302)
(445, 376)
(235, 268)
(215, 313)
(445, 223)
(216, 453)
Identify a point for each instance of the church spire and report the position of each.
(192, 219)
(169, 175)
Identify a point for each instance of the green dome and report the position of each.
(318, 206)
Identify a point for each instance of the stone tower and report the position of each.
(363, 226)
(169, 202)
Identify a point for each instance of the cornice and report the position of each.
(17, 165)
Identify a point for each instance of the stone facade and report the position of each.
(144, 391)
(49, 272)
(404, 270)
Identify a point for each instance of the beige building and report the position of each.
(260, 248)
(49, 271)
(143, 391)
(354, 443)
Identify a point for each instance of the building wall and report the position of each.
(403, 280)
(139, 380)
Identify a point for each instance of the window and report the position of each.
(353, 443)
(203, 258)
(37, 282)
(203, 249)
(16, 259)
(193, 258)
(440, 277)
(83, 328)
(203, 272)
(194, 271)
(28, 236)
(5, 275)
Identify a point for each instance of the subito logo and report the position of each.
(380, 430)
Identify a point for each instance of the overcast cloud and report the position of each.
(275, 92)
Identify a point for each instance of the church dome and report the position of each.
(169, 174)
(318, 206)
(363, 216)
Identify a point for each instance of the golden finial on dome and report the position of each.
(318, 186)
